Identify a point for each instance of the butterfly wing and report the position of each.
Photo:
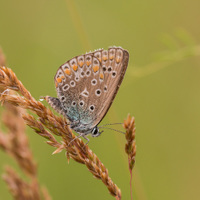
(75, 81)
(86, 86)
(114, 62)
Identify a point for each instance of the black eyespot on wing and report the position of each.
(98, 92)
(91, 107)
(81, 103)
(113, 74)
(109, 69)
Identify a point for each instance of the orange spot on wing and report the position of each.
(81, 63)
(62, 77)
(68, 71)
(105, 58)
(56, 84)
(75, 67)
(101, 76)
(95, 68)
(118, 59)
(88, 63)
(59, 80)
(111, 57)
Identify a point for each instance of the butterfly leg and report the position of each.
(76, 137)
(84, 136)
(5, 92)
(80, 135)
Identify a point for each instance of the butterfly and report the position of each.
(86, 86)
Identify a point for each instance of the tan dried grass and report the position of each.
(56, 125)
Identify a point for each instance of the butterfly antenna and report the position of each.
(110, 124)
(113, 129)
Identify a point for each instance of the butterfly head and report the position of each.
(95, 132)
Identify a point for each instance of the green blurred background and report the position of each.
(161, 89)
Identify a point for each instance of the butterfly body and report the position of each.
(86, 87)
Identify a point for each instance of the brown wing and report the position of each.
(87, 84)
(114, 62)
(75, 82)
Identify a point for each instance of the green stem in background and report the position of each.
(166, 60)
(78, 24)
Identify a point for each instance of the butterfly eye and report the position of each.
(95, 132)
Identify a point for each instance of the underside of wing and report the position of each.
(114, 62)
(87, 85)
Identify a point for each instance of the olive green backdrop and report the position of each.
(161, 89)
